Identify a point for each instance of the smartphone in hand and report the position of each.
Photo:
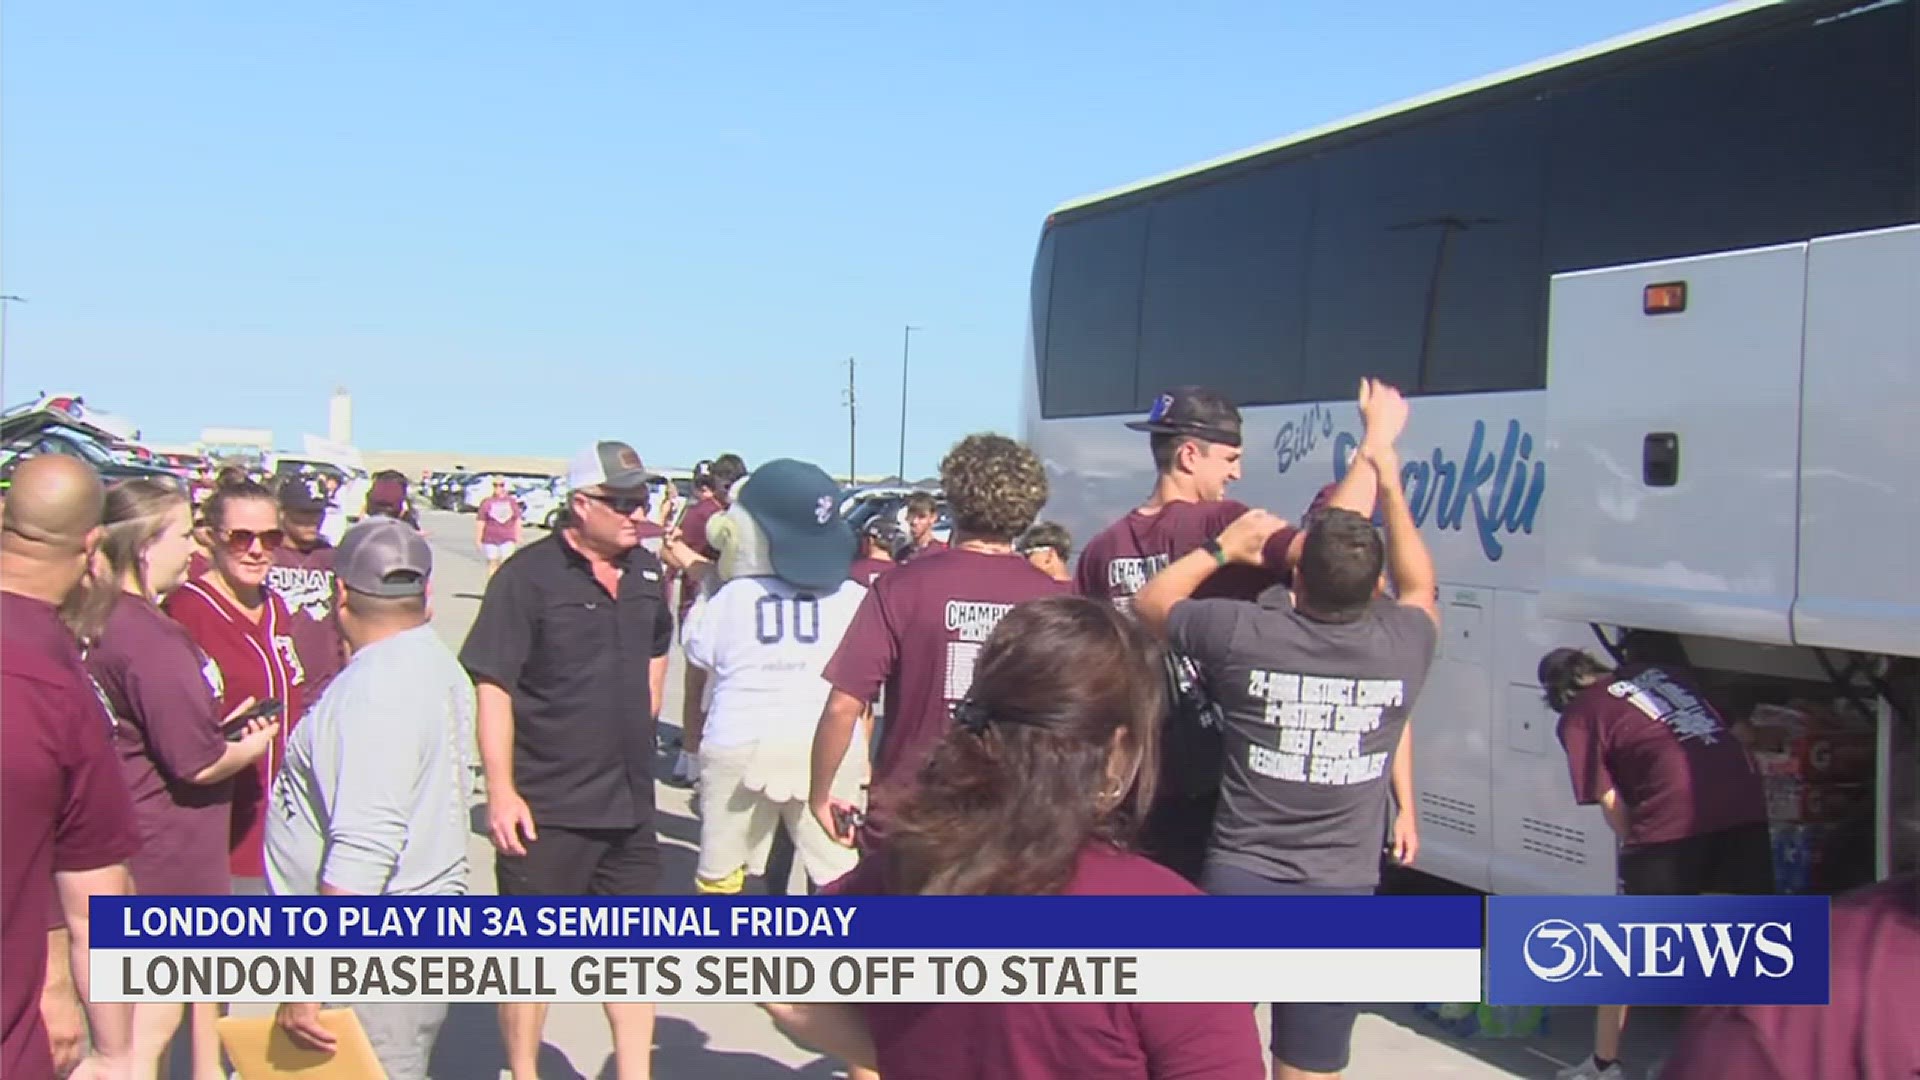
(848, 819)
(236, 729)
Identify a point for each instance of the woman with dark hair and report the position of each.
(1035, 791)
(159, 688)
(390, 497)
(246, 632)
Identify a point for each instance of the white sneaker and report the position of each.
(1591, 1070)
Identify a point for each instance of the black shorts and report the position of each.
(1177, 831)
(1312, 1036)
(582, 862)
(1738, 861)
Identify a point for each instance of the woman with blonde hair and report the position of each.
(161, 692)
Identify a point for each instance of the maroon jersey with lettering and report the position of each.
(917, 634)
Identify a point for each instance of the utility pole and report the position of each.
(906, 353)
(4, 301)
(848, 400)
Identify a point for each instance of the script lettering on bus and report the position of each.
(1297, 438)
(1502, 489)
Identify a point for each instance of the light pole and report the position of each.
(851, 412)
(4, 301)
(906, 353)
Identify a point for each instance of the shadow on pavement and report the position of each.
(1568, 1039)
(680, 1049)
(470, 1046)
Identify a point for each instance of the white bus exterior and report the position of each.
(1473, 247)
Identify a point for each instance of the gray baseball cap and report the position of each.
(383, 556)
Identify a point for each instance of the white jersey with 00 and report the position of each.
(766, 643)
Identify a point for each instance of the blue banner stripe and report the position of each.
(1089, 922)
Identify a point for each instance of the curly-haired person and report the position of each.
(921, 626)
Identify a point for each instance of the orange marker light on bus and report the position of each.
(1665, 298)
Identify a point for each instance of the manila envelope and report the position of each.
(261, 1051)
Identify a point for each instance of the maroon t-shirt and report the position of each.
(652, 536)
(256, 660)
(693, 533)
(160, 688)
(868, 571)
(1648, 734)
(499, 519)
(63, 808)
(1866, 1030)
(1034, 1041)
(304, 579)
(1118, 562)
(917, 634)
(922, 552)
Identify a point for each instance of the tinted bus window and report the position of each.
(1040, 300)
(1093, 314)
(1426, 257)
(1225, 279)
(1421, 254)
(1800, 131)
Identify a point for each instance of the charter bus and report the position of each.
(1654, 303)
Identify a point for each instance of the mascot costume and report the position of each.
(767, 621)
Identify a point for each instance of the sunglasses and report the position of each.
(240, 541)
(624, 505)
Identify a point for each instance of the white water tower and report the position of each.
(340, 417)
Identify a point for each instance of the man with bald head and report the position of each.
(66, 820)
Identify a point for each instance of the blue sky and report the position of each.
(520, 227)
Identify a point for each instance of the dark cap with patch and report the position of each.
(301, 495)
(1195, 411)
(607, 463)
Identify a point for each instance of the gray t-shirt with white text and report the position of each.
(1314, 711)
(372, 798)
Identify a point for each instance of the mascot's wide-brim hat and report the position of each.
(796, 507)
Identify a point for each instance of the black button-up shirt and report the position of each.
(575, 660)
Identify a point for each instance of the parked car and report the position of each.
(862, 505)
(27, 433)
(480, 485)
(446, 490)
(544, 504)
(288, 465)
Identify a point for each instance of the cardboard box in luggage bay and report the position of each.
(1817, 763)
(1809, 741)
(1822, 858)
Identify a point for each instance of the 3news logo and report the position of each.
(1657, 950)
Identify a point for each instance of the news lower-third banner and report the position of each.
(909, 949)
(1658, 950)
(1375, 949)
